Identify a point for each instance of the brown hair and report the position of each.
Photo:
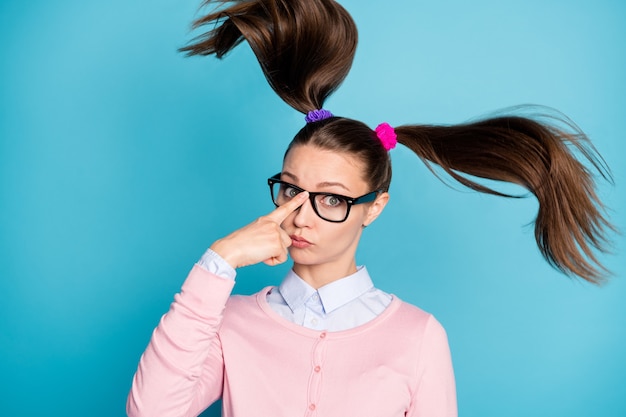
(306, 48)
(350, 136)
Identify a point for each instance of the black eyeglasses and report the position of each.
(330, 207)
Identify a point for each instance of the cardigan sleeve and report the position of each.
(181, 371)
(435, 394)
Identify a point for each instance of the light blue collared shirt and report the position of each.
(341, 305)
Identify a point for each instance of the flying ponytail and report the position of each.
(306, 48)
(539, 156)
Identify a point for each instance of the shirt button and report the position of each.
(317, 368)
(314, 321)
(315, 297)
(311, 407)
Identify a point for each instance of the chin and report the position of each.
(308, 258)
(299, 256)
(304, 257)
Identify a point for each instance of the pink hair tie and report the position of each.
(386, 135)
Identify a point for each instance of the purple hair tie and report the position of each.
(386, 135)
(317, 115)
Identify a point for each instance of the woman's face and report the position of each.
(316, 241)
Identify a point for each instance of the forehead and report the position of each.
(313, 165)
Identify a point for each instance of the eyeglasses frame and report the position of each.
(365, 198)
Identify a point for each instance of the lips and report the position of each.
(299, 242)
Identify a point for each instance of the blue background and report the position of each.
(121, 161)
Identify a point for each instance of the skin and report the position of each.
(330, 252)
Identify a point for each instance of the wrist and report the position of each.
(226, 252)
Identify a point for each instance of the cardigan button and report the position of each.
(311, 407)
(317, 368)
(322, 335)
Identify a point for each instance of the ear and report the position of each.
(376, 208)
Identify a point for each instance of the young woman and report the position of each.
(326, 342)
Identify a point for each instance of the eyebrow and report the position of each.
(320, 184)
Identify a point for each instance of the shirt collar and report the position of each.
(296, 291)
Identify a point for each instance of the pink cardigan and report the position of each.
(211, 345)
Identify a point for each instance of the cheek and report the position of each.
(346, 232)
(358, 215)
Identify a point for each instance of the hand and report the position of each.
(262, 240)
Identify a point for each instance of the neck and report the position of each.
(319, 275)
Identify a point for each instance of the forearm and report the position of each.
(181, 371)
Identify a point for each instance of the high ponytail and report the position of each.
(305, 47)
(539, 156)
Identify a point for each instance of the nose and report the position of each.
(305, 214)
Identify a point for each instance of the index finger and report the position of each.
(281, 212)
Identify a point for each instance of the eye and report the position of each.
(332, 201)
(290, 192)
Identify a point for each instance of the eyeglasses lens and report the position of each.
(328, 207)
